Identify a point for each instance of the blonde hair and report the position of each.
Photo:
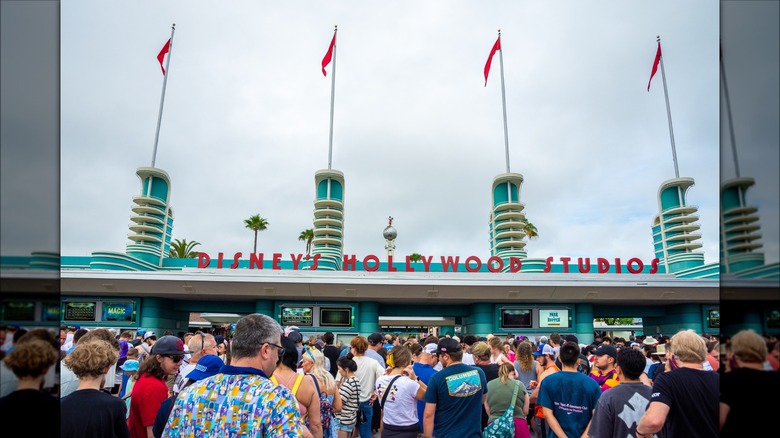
(525, 356)
(315, 356)
(401, 357)
(91, 358)
(687, 346)
(748, 346)
(505, 371)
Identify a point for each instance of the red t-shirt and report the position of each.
(148, 394)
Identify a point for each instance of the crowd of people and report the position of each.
(265, 380)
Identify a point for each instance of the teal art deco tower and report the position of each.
(507, 219)
(675, 227)
(328, 241)
(150, 229)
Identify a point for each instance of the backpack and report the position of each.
(326, 408)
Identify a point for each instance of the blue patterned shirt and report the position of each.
(237, 402)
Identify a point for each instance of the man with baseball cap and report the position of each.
(545, 355)
(376, 342)
(455, 395)
(423, 369)
(604, 372)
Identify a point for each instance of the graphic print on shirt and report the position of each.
(464, 384)
(633, 410)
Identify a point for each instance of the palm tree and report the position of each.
(415, 257)
(256, 223)
(181, 249)
(307, 236)
(530, 229)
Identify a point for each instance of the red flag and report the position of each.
(655, 65)
(496, 47)
(328, 56)
(161, 55)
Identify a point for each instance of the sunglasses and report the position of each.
(175, 359)
(279, 349)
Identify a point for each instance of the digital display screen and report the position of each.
(19, 311)
(297, 316)
(713, 318)
(336, 316)
(80, 311)
(773, 318)
(516, 318)
(122, 312)
(554, 318)
(50, 312)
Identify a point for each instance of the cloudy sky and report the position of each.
(417, 134)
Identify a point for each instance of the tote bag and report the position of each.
(503, 426)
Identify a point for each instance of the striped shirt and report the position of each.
(349, 391)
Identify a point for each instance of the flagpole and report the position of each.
(162, 98)
(332, 97)
(503, 99)
(728, 113)
(669, 114)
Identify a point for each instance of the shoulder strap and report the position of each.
(387, 391)
(514, 396)
(316, 385)
(273, 379)
(297, 383)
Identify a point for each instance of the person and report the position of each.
(222, 351)
(528, 371)
(8, 379)
(89, 411)
(130, 375)
(604, 372)
(738, 418)
(302, 386)
(69, 381)
(468, 341)
(201, 345)
(207, 366)
(499, 398)
(331, 352)
(545, 356)
(455, 395)
(424, 360)
(568, 397)
(29, 362)
(345, 418)
(240, 400)
(375, 343)
(150, 390)
(368, 371)
(584, 364)
(685, 399)
(497, 351)
(555, 342)
(145, 348)
(619, 409)
(313, 364)
(713, 353)
(482, 357)
(398, 392)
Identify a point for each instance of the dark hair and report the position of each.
(18, 334)
(469, 339)
(78, 334)
(430, 339)
(631, 362)
(570, 353)
(555, 337)
(290, 358)
(101, 333)
(347, 363)
(328, 337)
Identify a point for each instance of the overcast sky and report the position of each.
(416, 133)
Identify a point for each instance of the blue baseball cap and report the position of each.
(207, 366)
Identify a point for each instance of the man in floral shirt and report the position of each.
(241, 400)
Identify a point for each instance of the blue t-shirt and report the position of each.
(457, 392)
(572, 396)
(423, 371)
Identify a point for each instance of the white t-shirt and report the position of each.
(468, 359)
(181, 377)
(368, 372)
(400, 408)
